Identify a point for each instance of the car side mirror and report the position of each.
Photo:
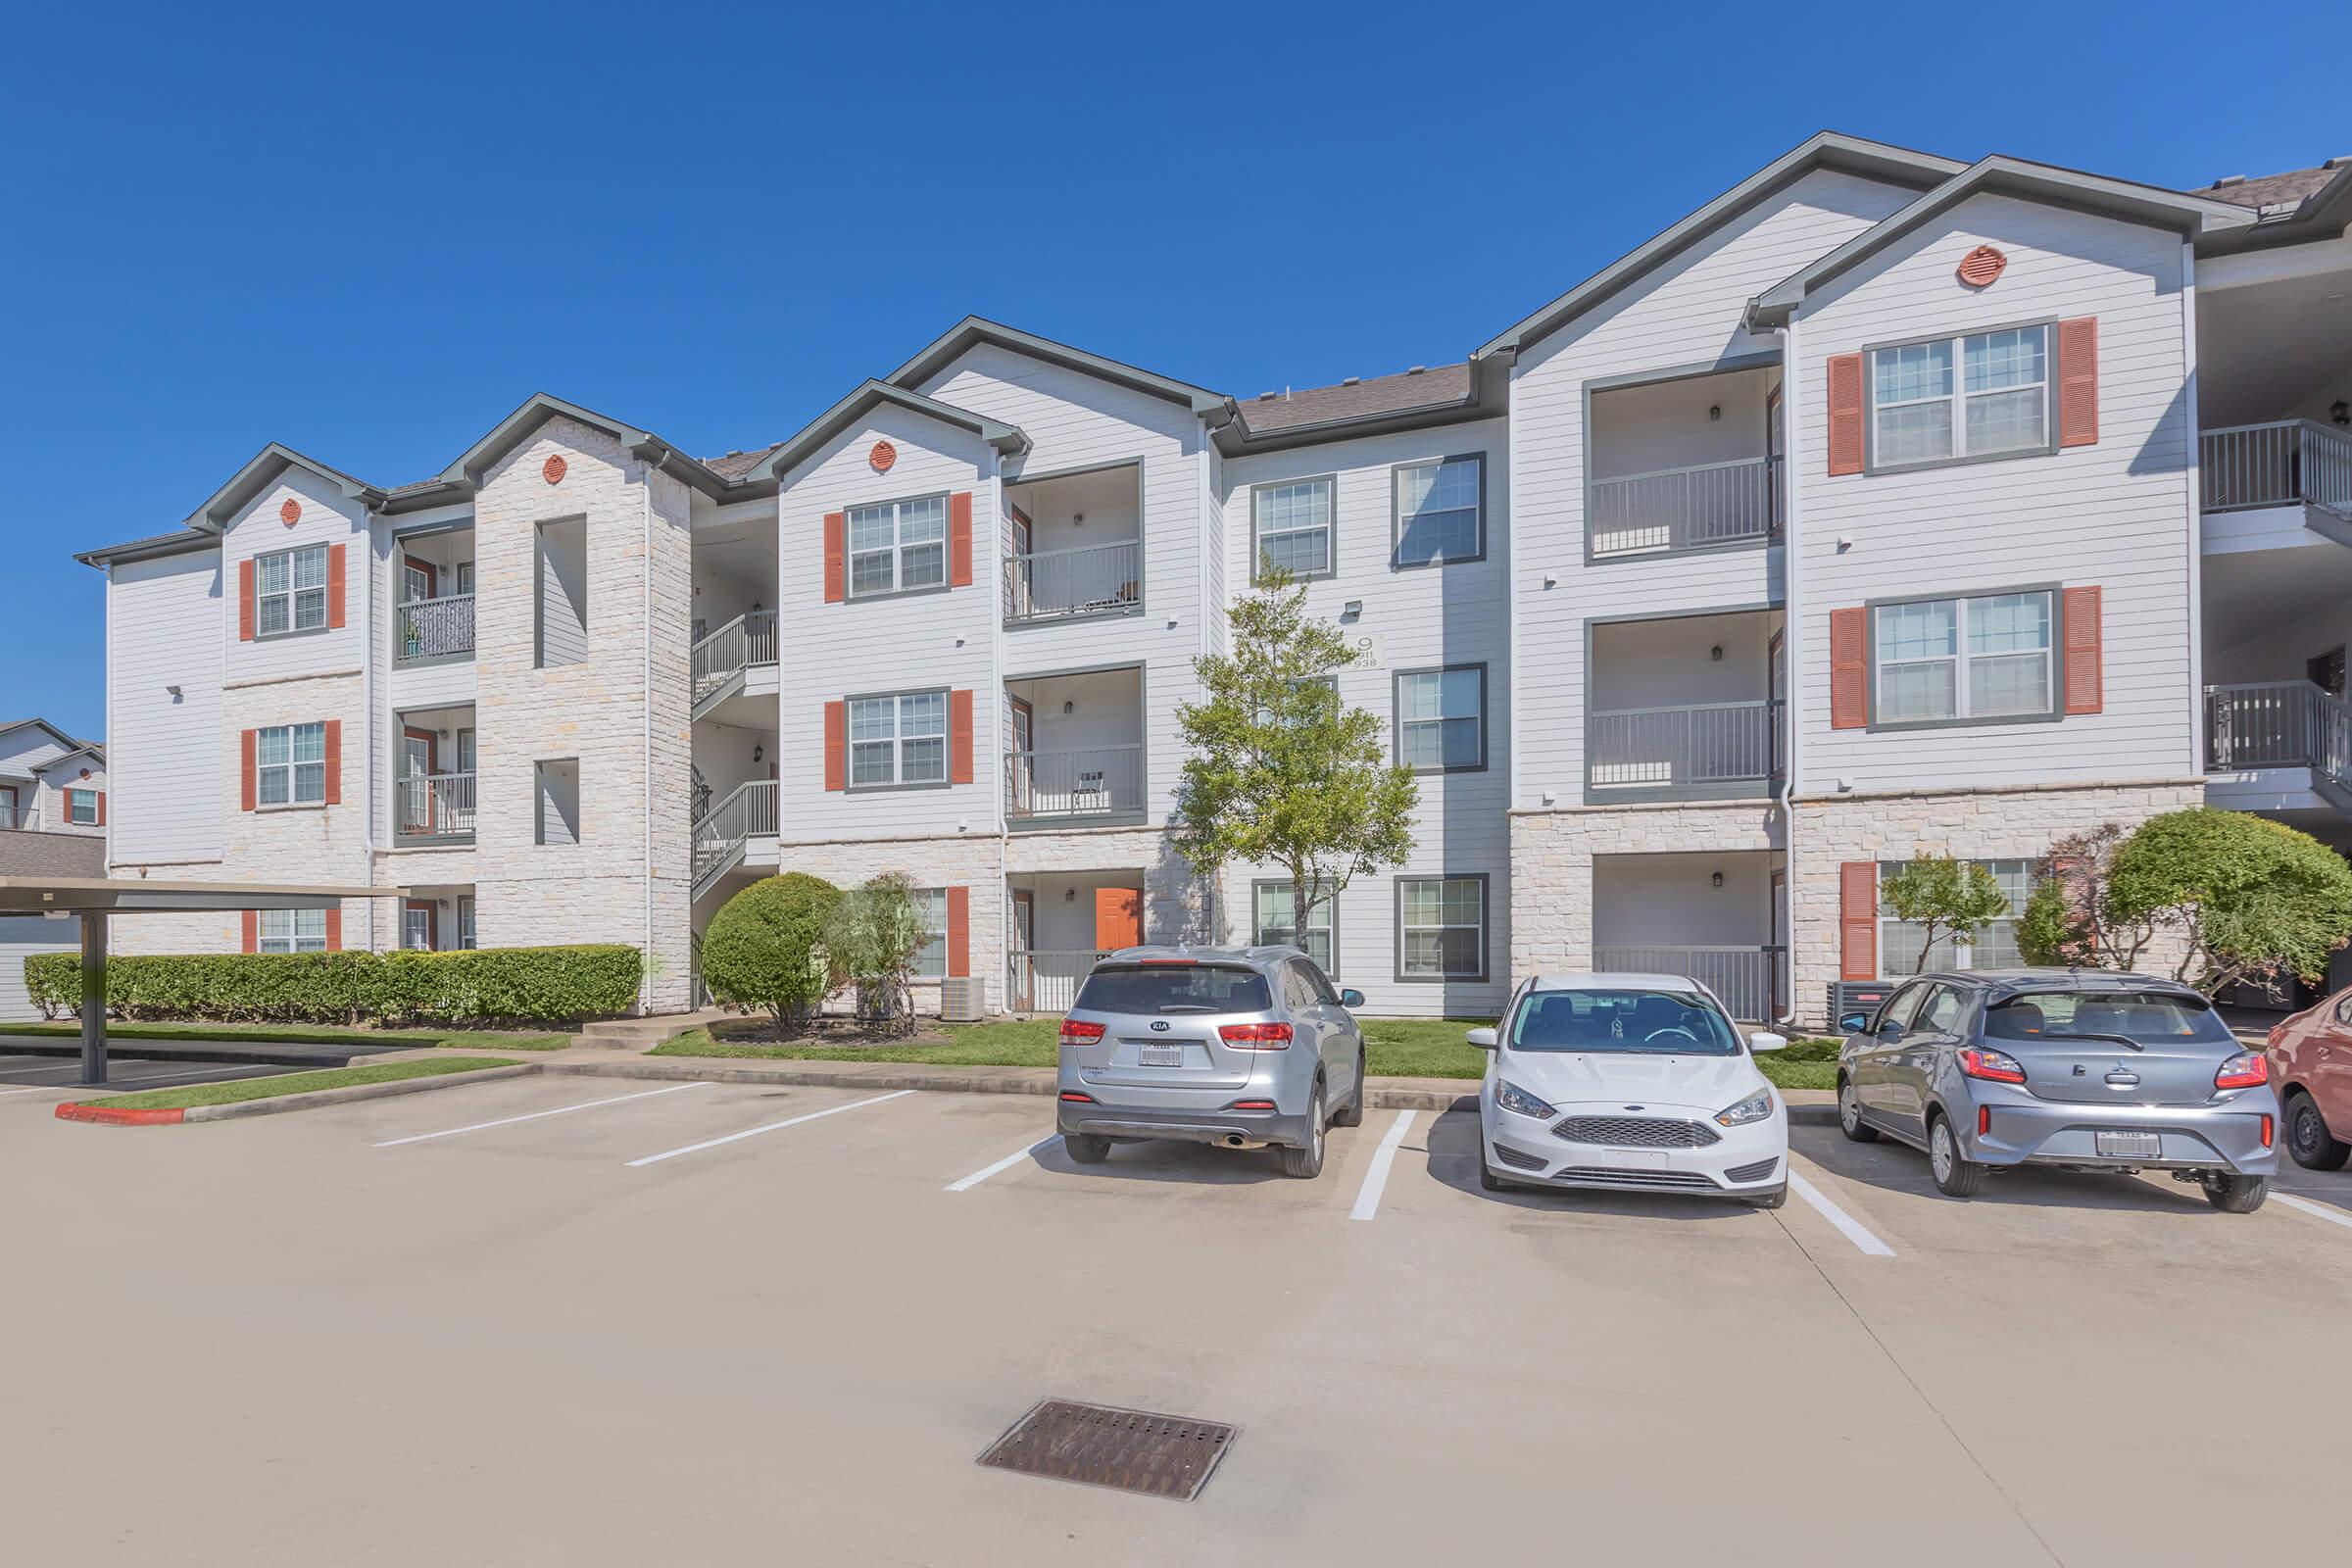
(1764, 1040)
(1351, 999)
(1854, 1023)
(1483, 1039)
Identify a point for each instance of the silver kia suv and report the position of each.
(1237, 1047)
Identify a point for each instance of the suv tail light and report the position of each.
(1080, 1032)
(2246, 1070)
(1998, 1066)
(1256, 1036)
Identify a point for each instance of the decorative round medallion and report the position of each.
(1982, 266)
(86, 773)
(554, 469)
(291, 513)
(882, 457)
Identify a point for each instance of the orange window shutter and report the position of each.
(334, 761)
(959, 539)
(2079, 381)
(102, 807)
(246, 790)
(2086, 658)
(837, 556)
(1858, 920)
(837, 745)
(1845, 414)
(245, 600)
(334, 929)
(960, 737)
(1849, 669)
(253, 932)
(1118, 918)
(334, 585)
(959, 931)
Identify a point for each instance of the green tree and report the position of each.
(1951, 900)
(1279, 771)
(2247, 897)
(873, 938)
(765, 947)
(2071, 916)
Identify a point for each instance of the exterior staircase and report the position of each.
(642, 1033)
(724, 659)
(722, 833)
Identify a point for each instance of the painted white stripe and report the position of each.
(1847, 1226)
(560, 1110)
(1376, 1179)
(39, 1089)
(1005, 1165)
(2333, 1217)
(773, 1126)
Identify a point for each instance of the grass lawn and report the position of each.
(297, 1083)
(306, 1034)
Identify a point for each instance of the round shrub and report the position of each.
(765, 947)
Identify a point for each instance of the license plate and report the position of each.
(2130, 1146)
(1160, 1055)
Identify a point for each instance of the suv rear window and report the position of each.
(1157, 988)
(2148, 1015)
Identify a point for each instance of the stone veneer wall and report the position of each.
(1552, 866)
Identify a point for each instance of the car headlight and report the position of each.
(1755, 1107)
(1511, 1097)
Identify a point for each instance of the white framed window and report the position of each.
(898, 739)
(1291, 526)
(931, 959)
(82, 806)
(416, 928)
(897, 546)
(289, 589)
(1439, 510)
(466, 923)
(1985, 657)
(1900, 942)
(1968, 396)
(291, 931)
(1441, 719)
(290, 764)
(1274, 923)
(8, 805)
(1440, 929)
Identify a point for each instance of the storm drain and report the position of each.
(1099, 1445)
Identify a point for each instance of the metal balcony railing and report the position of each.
(1685, 508)
(2278, 464)
(748, 811)
(1046, 982)
(437, 806)
(1094, 782)
(748, 642)
(2287, 724)
(433, 628)
(1750, 982)
(1052, 583)
(1703, 745)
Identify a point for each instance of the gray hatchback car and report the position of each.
(2079, 1069)
(1243, 1048)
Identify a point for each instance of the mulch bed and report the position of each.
(823, 1031)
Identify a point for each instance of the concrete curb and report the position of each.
(98, 1112)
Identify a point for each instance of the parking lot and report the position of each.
(592, 1320)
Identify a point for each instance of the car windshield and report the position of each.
(2143, 1016)
(1664, 1023)
(1157, 988)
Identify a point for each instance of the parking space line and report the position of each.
(1847, 1226)
(769, 1127)
(1005, 1165)
(535, 1115)
(2333, 1217)
(1376, 1179)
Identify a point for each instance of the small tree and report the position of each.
(873, 938)
(1945, 898)
(2071, 916)
(2249, 898)
(765, 947)
(1279, 772)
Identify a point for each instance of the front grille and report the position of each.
(1635, 1132)
(1609, 1176)
(1755, 1171)
(1516, 1160)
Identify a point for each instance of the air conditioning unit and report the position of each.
(1857, 995)
(961, 1000)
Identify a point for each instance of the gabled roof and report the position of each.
(1874, 159)
(973, 329)
(2300, 205)
(1412, 400)
(72, 745)
(260, 472)
(778, 460)
(2187, 214)
(2293, 187)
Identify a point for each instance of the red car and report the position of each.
(2311, 1066)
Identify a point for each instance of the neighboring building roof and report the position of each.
(736, 465)
(1352, 399)
(777, 460)
(2270, 190)
(72, 745)
(944, 349)
(29, 853)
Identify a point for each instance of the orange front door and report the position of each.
(1118, 918)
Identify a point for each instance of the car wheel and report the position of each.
(2237, 1194)
(1306, 1163)
(2308, 1139)
(1956, 1175)
(1087, 1149)
(1774, 1199)
(1353, 1115)
(1849, 1115)
(1487, 1181)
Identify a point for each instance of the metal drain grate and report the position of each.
(1099, 1445)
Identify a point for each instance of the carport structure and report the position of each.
(97, 900)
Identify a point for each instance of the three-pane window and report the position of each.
(898, 545)
(1960, 397)
(1294, 526)
(1901, 942)
(899, 740)
(290, 590)
(1440, 929)
(292, 931)
(1276, 922)
(290, 764)
(1438, 511)
(1441, 719)
(1981, 658)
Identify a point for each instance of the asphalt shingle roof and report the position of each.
(2270, 190)
(1356, 399)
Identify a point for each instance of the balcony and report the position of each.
(1076, 749)
(724, 659)
(2282, 749)
(433, 629)
(1061, 584)
(1074, 546)
(1691, 750)
(1098, 781)
(723, 833)
(2287, 462)
(1689, 463)
(433, 575)
(432, 809)
(1692, 508)
(1684, 708)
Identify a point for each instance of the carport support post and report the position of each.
(93, 996)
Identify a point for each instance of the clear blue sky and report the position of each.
(368, 232)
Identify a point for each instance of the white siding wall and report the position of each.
(165, 628)
(49, 800)
(20, 936)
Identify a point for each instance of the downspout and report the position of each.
(998, 708)
(378, 724)
(1791, 577)
(644, 490)
(2196, 513)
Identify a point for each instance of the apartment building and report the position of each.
(52, 824)
(1885, 505)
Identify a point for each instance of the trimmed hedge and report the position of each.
(480, 986)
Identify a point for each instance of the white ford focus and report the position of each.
(1629, 1082)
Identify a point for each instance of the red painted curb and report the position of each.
(73, 1110)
